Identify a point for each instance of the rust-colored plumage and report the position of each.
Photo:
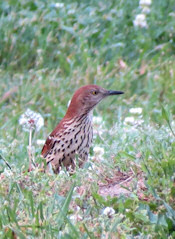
(73, 135)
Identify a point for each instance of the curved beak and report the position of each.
(114, 92)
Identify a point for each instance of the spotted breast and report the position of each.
(73, 138)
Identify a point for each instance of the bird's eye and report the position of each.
(94, 92)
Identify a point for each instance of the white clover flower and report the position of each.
(145, 9)
(7, 172)
(31, 120)
(97, 120)
(6, 203)
(62, 172)
(39, 51)
(129, 120)
(72, 218)
(59, 5)
(140, 21)
(139, 121)
(71, 11)
(145, 6)
(60, 234)
(145, 2)
(75, 218)
(135, 110)
(108, 211)
(98, 151)
(91, 167)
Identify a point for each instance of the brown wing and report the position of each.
(51, 140)
(48, 146)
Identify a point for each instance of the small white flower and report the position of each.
(172, 14)
(72, 218)
(132, 121)
(71, 11)
(62, 172)
(145, 9)
(135, 110)
(98, 150)
(139, 122)
(60, 234)
(39, 51)
(129, 120)
(59, 5)
(140, 21)
(7, 172)
(91, 167)
(108, 211)
(127, 210)
(40, 141)
(97, 120)
(31, 120)
(6, 203)
(145, 2)
(75, 218)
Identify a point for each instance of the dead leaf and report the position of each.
(8, 94)
(142, 69)
(122, 64)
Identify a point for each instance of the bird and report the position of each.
(72, 137)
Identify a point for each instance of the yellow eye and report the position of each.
(94, 92)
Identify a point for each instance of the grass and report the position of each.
(47, 52)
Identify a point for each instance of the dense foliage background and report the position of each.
(48, 49)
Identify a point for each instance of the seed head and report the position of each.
(31, 120)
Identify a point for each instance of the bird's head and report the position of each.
(87, 97)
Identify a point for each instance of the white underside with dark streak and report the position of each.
(75, 138)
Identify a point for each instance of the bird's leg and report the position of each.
(81, 163)
(71, 168)
(82, 160)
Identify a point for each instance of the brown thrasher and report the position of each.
(73, 135)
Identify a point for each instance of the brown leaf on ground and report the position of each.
(124, 184)
(122, 64)
(142, 69)
(8, 94)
